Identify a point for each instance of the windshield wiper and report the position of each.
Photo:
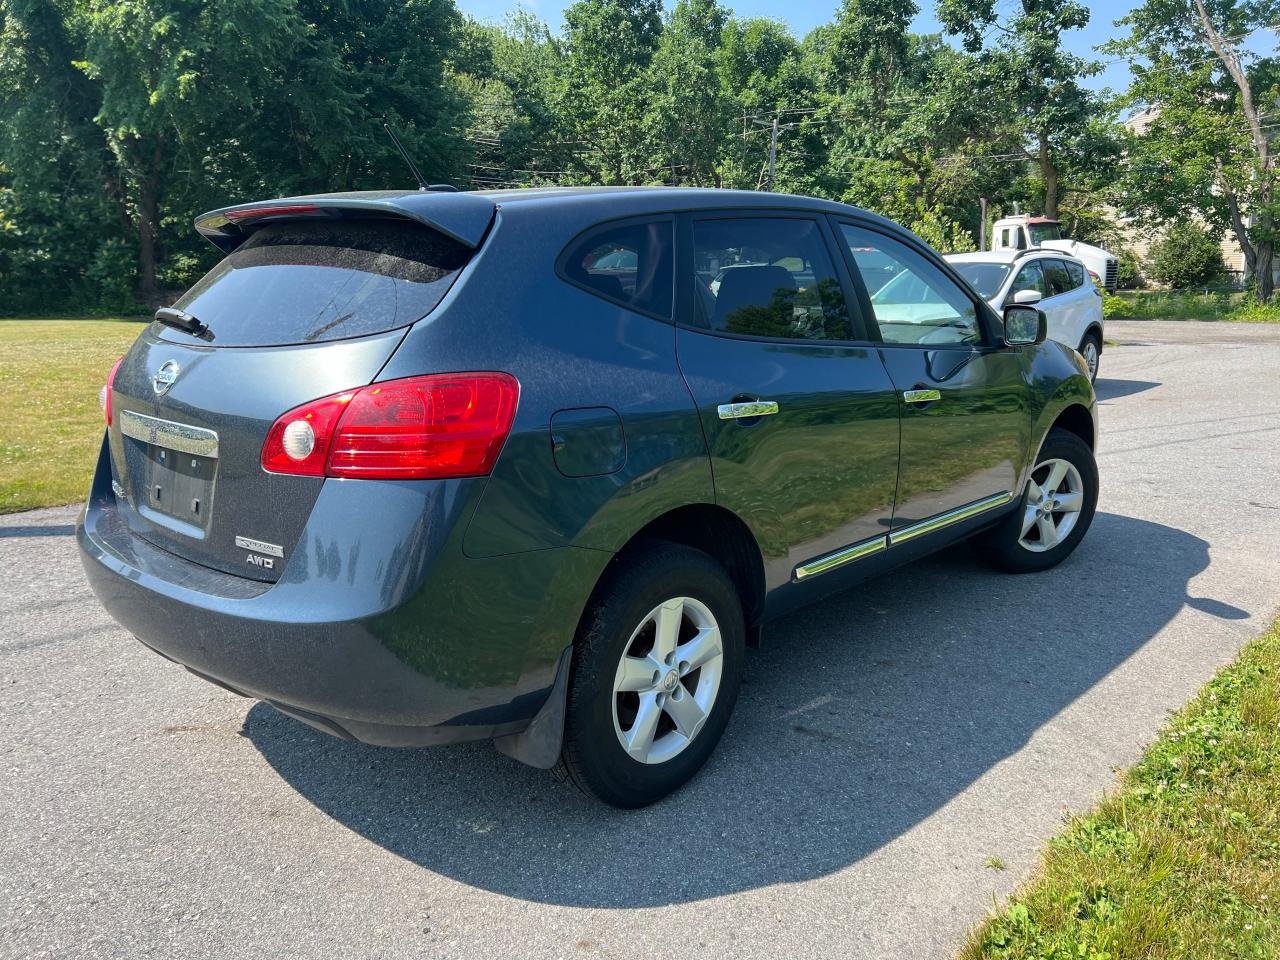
(186, 322)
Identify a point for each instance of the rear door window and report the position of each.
(630, 264)
(309, 281)
(1056, 277)
(768, 277)
(1077, 274)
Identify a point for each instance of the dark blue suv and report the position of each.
(537, 466)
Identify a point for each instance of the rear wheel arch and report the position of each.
(614, 714)
(719, 533)
(1094, 331)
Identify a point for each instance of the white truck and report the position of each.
(1024, 233)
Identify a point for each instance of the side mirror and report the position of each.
(1024, 324)
(1028, 296)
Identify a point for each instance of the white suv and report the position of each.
(1055, 282)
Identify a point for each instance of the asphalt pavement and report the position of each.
(886, 744)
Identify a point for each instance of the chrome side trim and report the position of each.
(921, 396)
(170, 435)
(947, 519)
(840, 557)
(753, 408)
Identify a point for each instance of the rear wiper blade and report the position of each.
(185, 322)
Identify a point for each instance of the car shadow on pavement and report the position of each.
(860, 717)
(1106, 388)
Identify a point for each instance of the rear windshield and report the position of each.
(986, 278)
(308, 281)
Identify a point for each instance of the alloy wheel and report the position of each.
(1055, 497)
(1090, 353)
(667, 680)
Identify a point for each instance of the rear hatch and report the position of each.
(300, 309)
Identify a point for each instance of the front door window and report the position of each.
(1030, 277)
(917, 304)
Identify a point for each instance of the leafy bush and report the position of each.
(111, 275)
(941, 232)
(1253, 312)
(1128, 270)
(1113, 306)
(1237, 307)
(1188, 256)
(181, 270)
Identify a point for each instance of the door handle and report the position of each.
(921, 396)
(745, 409)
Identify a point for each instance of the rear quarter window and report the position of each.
(630, 264)
(309, 281)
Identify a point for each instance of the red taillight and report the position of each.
(321, 417)
(104, 395)
(289, 210)
(442, 425)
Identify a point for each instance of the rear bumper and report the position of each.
(380, 628)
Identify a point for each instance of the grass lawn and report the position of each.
(50, 373)
(1234, 307)
(1183, 860)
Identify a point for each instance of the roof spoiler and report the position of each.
(464, 217)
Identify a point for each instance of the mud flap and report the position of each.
(538, 744)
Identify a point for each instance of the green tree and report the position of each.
(511, 74)
(766, 74)
(912, 140)
(149, 66)
(1030, 71)
(59, 190)
(120, 120)
(157, 109)
(605, 93)
(1207, 152)
(689, 119)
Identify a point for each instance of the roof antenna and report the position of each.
(422, 184)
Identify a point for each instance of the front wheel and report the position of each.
(656, 670)
(1058, 504)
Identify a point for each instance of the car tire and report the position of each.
(1091, 350)
(1035, 536)
(611, 703)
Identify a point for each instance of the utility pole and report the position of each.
(773, 152)
(770, 169)
(982, 227)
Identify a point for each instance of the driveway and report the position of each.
(886, 743)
